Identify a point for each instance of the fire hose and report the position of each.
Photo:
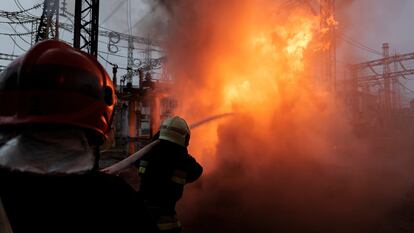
(121, 165)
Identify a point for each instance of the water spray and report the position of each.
(209, 119)
(116, 168)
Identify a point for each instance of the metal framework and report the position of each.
(370, 74)
(45, 29)
(130, 61)
(328, 26)
(380, 76)
(86, 26)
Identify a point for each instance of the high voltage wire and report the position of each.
(15, 43)
(18, 4)
(357, 44)
(16, 17)
(26, 11)
(19, 22)
(405, 87)
(110, 63)
(112, 54)
(361, 47)
(22, 34)
(17, 34)
(22, 10)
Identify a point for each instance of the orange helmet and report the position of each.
(55, 84)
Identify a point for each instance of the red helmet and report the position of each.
(53, 83)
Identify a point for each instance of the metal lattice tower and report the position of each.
(377, 78)
(45, 29)
(130, 62)
(86, 26)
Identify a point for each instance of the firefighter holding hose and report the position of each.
(164, 170)
(56, 108)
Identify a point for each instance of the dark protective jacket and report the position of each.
(164, 171)
(89, 202)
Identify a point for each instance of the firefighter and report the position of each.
(56, 107)
(164, 170)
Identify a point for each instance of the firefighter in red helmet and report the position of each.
(56, 107)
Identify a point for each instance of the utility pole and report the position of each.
(396, 90)
(386, 78)
(328, 25)
(86, 29)
(132, 101)
(386, 83)
(354, 96)
(328, 56)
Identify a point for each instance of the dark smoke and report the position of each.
(311, 173)
(280, 186)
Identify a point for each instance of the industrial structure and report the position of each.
(375, 89)
(142, 101)
(373, 92)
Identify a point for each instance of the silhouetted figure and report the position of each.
(56, 107)
(164, 170)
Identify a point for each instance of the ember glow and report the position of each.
(251, 63)
(272, 57)
(274, 165)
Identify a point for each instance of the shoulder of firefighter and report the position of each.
(174, 161)
(194, 169)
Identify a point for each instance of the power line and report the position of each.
(22, 10)
(17, 34)
(14, 45)
(357, 44)
(19, 22)
(110, 63)
(112, 54)
(360, 47)
(405, 87)
(20, 36)
(17, 44)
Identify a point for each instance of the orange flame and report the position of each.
(248, 65)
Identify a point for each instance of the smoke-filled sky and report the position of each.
(370, 22)
(287, 160)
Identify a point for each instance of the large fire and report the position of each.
(252, 64)
(274, 165)
(274, 56)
